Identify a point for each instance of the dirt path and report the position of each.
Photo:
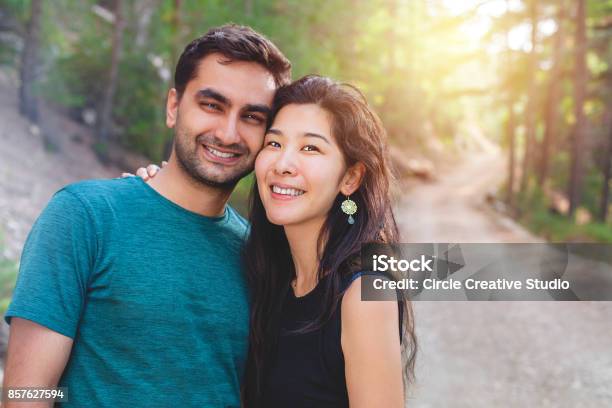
(499, 354)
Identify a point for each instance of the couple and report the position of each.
(156, 293)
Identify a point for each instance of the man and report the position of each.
(131, 294)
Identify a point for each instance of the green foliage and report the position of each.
(416, 62)
(539, 218)
(591, 194)
(139, 107)
(557, 228)
(240, 197)
(8, 276)
(74, 81)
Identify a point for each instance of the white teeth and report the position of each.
(287, 191)
(220, 154)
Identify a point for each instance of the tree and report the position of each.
(579, 133)
(510, 124)
(607, 170)
(551, 125)
(530, 113)
(28, 105)
(104, 128)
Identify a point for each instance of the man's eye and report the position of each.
(310, 148)
(210, 105)
(254, 119)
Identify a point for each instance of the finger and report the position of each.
(152, 169)
(164, 163)
(142, 173)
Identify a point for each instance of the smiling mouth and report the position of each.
(220, 154)
(292, 192)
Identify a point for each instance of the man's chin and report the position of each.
(224, 181)
(214, 175)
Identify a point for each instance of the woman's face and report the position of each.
(300, 169)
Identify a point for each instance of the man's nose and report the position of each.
(227, 131)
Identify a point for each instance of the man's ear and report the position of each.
(352, 179)
(172, 103)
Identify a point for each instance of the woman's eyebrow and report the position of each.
(275, 132)
(278, 132)
(310, 134)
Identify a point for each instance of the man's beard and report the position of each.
(199, 169)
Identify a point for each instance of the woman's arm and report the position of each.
(372, 351)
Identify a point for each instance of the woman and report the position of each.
(321, 191)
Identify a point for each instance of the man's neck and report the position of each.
(177, 186)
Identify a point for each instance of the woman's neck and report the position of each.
(303, 241)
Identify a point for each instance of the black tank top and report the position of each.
(307, 369)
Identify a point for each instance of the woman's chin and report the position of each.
(283, 219)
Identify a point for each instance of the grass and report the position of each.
(554, 227)
(557, 228)
(8, 275)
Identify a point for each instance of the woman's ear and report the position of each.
(352, 179)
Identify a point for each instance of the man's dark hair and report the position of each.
(236, 43)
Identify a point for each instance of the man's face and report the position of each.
(220, 120)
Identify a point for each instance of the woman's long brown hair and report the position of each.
(362, 138)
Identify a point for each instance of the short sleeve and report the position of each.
(56, 262)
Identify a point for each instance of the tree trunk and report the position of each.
(248, 8)
(143, 11)
(28, 105)
(607, 170)
(104, 129)
(552, 107)
(177, 43)
(510, 126)
(510, 137)
(530, 114)
(579, 134)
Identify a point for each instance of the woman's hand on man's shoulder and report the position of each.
(146, 173)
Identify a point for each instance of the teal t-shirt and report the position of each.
(153, 295)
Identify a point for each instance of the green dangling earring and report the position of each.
(349, 207)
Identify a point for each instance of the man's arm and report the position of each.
(49, 296)
(36, 357)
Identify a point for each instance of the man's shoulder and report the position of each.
(101, 188)
(99, 192)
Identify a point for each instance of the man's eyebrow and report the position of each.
(211, 93)
(266, 110)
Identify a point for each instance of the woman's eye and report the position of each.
(311, 148)
(273, 144)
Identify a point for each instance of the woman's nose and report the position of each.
(285, 163)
